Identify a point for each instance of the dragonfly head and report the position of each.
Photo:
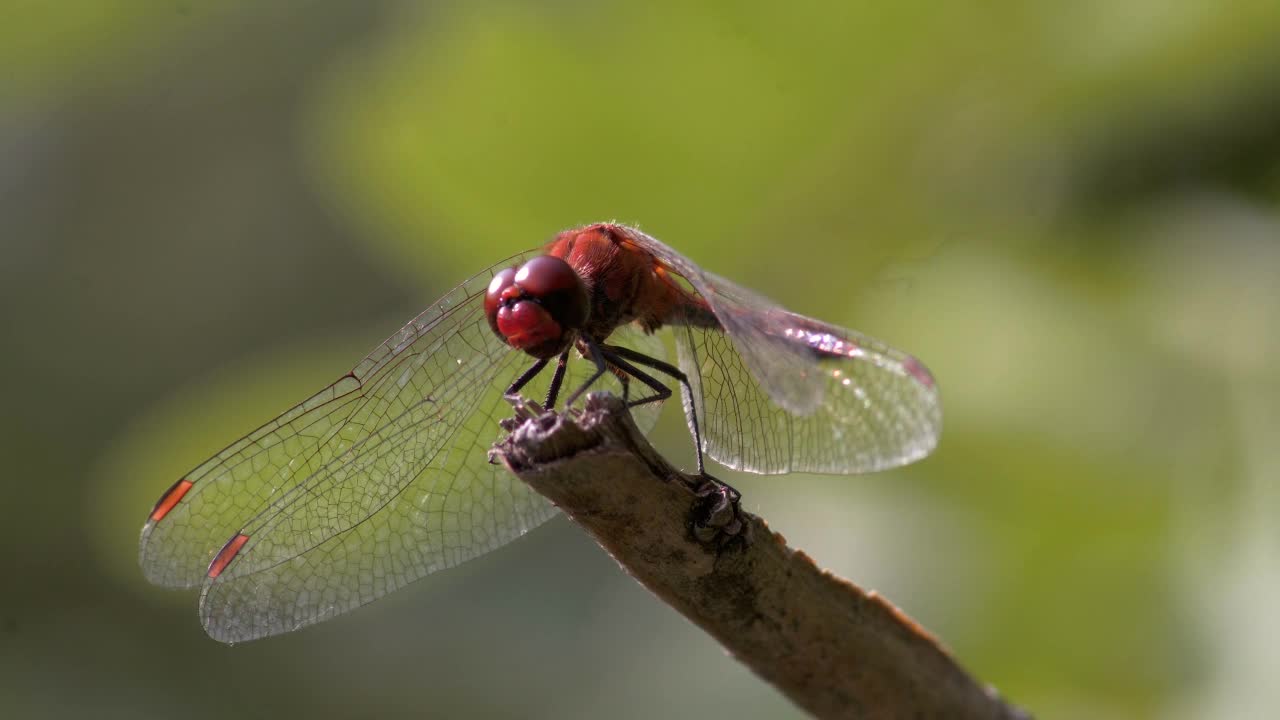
(539, 307)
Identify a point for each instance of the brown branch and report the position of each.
(833, 648)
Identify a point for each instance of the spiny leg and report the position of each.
(664, 367)
(601, 368)
(625, 369)
(651, 362)
(625, 380)
(525, 377)
(718, 518)
(557, 379)
(604, 355)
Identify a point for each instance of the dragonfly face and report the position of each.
(538, 308)
(382, 477)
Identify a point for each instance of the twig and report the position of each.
(833, 648)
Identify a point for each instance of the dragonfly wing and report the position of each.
(213, 501)
(778, 364)
(779, 392)
(418, 495)
(404, 437)
(876, 411)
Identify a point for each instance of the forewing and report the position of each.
(215, 500)
(779, 392)
(400, 506)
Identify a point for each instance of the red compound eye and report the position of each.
(537, 307)
(527, 325)
(493, 297)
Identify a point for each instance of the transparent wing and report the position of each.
(404, 504)
(215, 500)
(372, 483)
(875, 411)
(779, 392)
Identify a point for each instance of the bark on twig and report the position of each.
(831, 647)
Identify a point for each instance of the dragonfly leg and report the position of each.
(625, 379)
(717, 518)
(660, 392)
(621, 354)
(593, 348)
(525, 377)
(557, 380)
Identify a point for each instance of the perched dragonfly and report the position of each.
(383, 477)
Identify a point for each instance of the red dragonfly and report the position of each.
(383, 477)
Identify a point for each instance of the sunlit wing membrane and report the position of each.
(400, 506)
(778, 392)
(370, 484)
(215, 500)
(875, 411)
(417, 495)
(779, 365)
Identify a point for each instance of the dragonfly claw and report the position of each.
(524, 407)
(717, 516)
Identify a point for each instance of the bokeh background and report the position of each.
(1070, 211)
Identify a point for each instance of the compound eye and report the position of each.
(493, 297)
(546, 274)
(528, 326)
(557, 287)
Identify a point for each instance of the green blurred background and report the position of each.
(1069, 211)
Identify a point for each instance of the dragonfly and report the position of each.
(384, 477)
